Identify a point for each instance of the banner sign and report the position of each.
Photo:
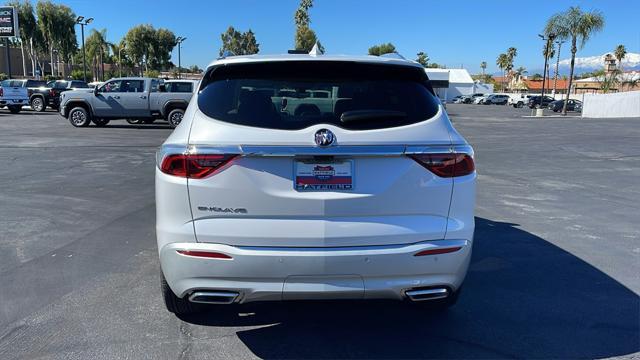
(8, 22)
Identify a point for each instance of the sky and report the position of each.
(460, 33)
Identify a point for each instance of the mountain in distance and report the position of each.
(588, 64)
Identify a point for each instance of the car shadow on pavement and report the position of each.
(523, 297)
(133, 126)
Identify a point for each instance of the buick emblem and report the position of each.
(324, 137)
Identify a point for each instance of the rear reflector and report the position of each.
(437, 251)
(194, 166)
(446, 165)
(204, 254)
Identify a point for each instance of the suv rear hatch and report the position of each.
(268, 181)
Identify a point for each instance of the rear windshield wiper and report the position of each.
(367, 115)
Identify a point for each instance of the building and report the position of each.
(609, 82)
(449, 83)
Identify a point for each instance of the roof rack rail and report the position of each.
(393, 55)
(297, 51)
(226, 54)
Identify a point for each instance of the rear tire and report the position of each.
(79, 117)
(15, 109)
(100, 122)
(134, 121)
(173, 303)
(37, 104)
(175, 117)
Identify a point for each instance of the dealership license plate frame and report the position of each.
(310, 182)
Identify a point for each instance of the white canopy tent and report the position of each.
(459, 83)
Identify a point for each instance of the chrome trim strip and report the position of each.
(427, 294)
(227, 297)
(289, 151)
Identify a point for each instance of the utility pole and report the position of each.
(82, 24)
(555, 81)
(548, 40)
(119, 62)
(6, 44)
(179, 41)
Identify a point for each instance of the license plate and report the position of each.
(324, 176)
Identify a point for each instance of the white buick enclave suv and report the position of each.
(314, 177)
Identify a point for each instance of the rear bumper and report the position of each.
(266, 273)
(9, 102)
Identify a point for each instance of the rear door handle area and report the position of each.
(143, 96)
(116, 97)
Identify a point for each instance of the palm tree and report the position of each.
(578, 26)
(503, 62)
(511, 54)
(548, 52)
(483, 66)
(620, 52)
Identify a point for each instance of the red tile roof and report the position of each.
(548, 84)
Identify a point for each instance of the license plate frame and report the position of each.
(313, 175)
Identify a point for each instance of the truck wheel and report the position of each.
(15, 109)
(175, 117)
(173, 303)
(79, 117)
(100, 122)
(134, 121)
(37, 104)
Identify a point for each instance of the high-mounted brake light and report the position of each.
(446, 164)
(194, 166)
(204, 254)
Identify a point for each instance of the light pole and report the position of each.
(179, 41)
(82, 22)
(555, 81)
(549, 38)
(119, 62)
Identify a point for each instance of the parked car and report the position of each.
(57, 87)
(184, 86)
(13, 95)
(534, 101)
(124, 98)
(496, 99)
(572, 105)
(479, 99)
(518, 100)
(37, 92)
(457, 99)
(261, 196)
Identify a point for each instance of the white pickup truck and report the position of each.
(13, 95)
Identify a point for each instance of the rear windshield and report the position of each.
(36, 83)
(180, 87)
(297, 94)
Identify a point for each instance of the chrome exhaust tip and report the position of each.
(213, 297)
(427, 294)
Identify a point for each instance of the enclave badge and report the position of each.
(324, 137)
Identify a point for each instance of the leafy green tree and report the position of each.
(152, 73)
(422, 59)
(620, 53)
(239, 43)
(382, 49)
(578, 26)
(305, 38)
(195, 69)
(97, 49)
(57, 24)
(28, 26)
(148, 47)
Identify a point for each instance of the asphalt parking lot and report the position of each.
(554, 271)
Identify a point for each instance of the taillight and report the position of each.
(194, 166)
(447, 164)
(204, 254)
(437, 251)
(52, 93)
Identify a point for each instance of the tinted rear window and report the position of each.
(180, 87)
(36, 83)
(297, 94)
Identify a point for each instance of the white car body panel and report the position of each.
(291, 244)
